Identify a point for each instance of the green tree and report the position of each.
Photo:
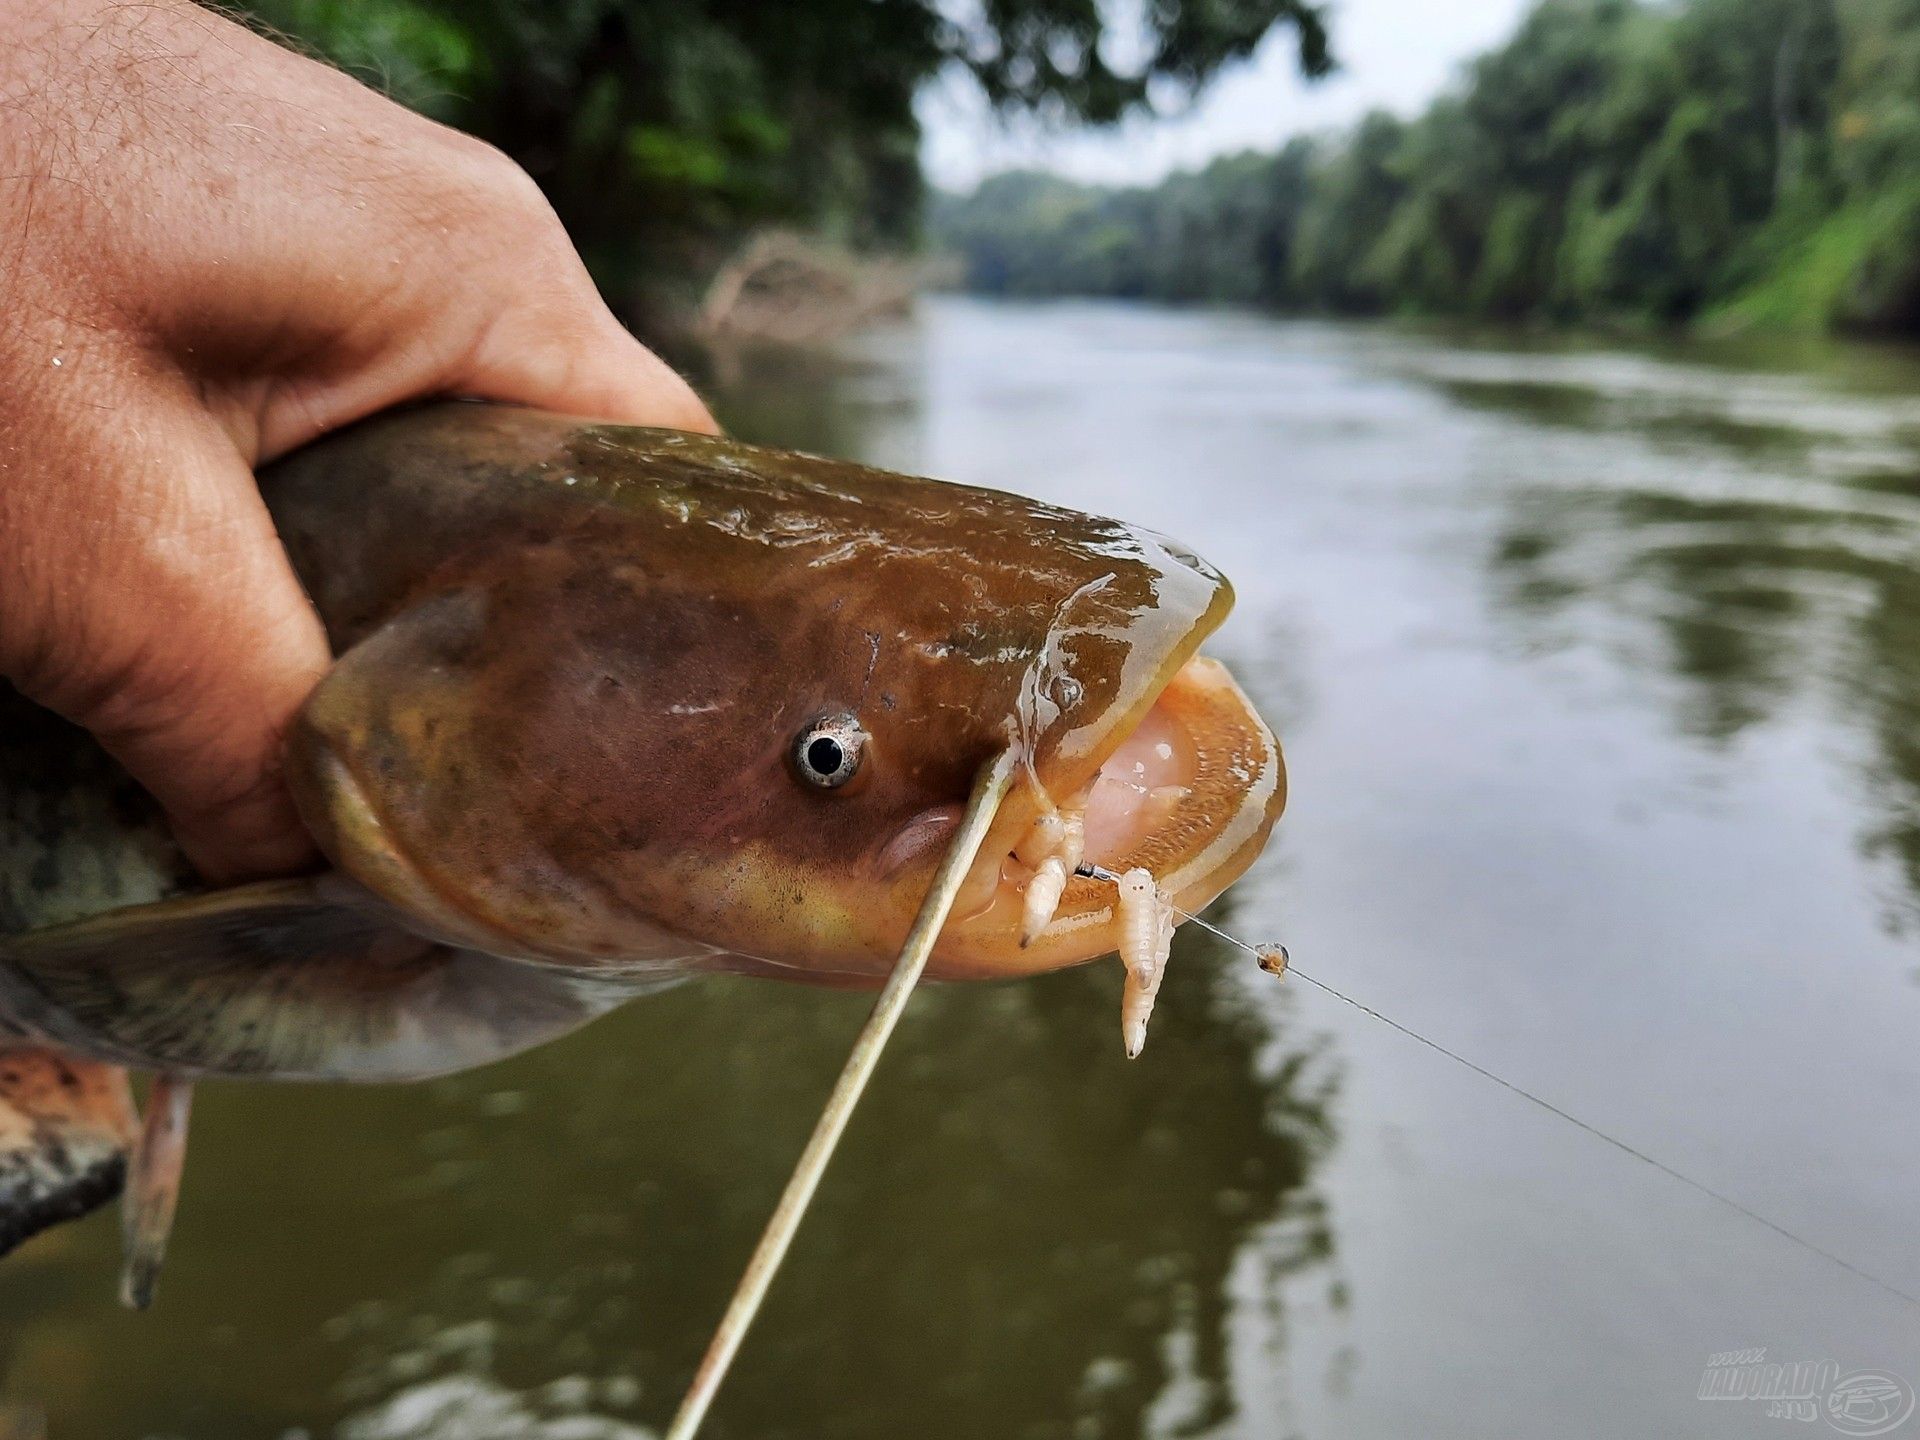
(1738, 161)
(661, 129)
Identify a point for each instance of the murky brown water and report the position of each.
(1599, 672)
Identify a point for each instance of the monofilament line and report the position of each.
(1701, 1187)
(1621, 1145)
(989, 787)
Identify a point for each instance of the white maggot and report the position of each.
(1073, 838)
(1042, 840)
(1146, 938)
(1042, 898)
(1053, 846)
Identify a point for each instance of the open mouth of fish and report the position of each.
(1177, 807)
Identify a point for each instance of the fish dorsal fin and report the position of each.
(66, 1126)
(309, 979)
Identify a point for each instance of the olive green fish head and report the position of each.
(654, 698)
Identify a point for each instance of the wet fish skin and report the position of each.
(552, 763)
(575, 658)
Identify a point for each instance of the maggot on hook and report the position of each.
(1273, 958)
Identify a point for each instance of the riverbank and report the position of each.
(1703, 164)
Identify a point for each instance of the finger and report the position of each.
(170, 624)
(562, 349)
(496, 304)
(555, 347)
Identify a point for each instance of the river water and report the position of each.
(1598, 669)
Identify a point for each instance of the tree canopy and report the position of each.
(659, 128)
(1735, 160)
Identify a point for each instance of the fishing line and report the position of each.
(1275, 960)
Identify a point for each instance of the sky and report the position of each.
(1396, 54)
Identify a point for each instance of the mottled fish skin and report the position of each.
(552, 769)
(79, 838)
(577, 656)
(554, 749)
(356, 994)
(65, 1129)
(77, 835)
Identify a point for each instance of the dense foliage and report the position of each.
(661, 129)
(1734, 160)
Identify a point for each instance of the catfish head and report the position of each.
(635, 700)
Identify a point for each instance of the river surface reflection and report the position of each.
(1598, 674)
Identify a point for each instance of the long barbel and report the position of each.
(989, 788)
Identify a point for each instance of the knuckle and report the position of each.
(460, 205)
(492, 189)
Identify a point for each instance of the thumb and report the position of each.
(565, 351)
(158, 610)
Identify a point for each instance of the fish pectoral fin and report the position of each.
(66, 1127)
(239, 981)
(309, 979)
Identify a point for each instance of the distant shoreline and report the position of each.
(1697, 165)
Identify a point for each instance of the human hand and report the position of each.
(212, 251)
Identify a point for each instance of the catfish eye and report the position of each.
(827, 754)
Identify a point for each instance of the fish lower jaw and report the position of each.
(1189, 797)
